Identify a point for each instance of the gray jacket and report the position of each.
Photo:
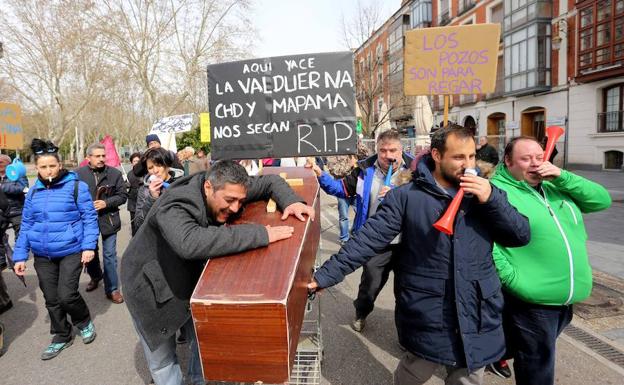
(164, 260)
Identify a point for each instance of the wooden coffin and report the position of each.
(248, 308)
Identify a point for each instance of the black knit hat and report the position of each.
(152, 138)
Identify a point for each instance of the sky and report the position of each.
(289, 27)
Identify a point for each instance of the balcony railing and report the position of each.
(610, 121)
(445, 17)
(465, 5)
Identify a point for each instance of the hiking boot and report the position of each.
(358, 324)
(54, 349)
(88, 333)
(500, 368)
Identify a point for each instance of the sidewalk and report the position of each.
(611, 180)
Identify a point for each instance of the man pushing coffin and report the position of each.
(184, 228)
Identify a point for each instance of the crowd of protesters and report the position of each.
(466, 301)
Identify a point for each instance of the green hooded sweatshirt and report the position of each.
(553, 269)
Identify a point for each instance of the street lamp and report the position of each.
(562, 31)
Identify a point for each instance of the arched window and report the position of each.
(613, 160)
(533, 122)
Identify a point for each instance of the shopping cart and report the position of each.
(307, 366)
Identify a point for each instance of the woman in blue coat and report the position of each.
(59, 226)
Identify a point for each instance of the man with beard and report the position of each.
(108, 191)
(365, 184)
(448, 295)
(184, 228)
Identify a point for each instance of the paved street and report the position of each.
(605, 229)
(115, 357)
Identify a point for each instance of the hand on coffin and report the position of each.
(313, 286)
(310, 163)
(277, 233)
(298, 210)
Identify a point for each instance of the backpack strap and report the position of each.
(76, 184)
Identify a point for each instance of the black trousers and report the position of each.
(58, 280)
(531, 333)
(375, 274)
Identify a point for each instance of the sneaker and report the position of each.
(358, 324)
(88, 333)
(500, 368)
(54, 349)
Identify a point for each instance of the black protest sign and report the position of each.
(284, 106)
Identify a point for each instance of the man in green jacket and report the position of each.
(543, 279)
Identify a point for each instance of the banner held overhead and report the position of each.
(285, 106)
(451, 60)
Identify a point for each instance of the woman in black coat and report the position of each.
(133, 184)
(160, 174)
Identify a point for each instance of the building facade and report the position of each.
(560, 63)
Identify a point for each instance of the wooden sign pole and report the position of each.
(446, 108)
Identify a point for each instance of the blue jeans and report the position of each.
(531, 332)
(343, 218)
(109, 248)
(163, 362)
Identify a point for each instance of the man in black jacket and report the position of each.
(108, 192)
(14, 192)
(5, 299)
(448, 294)
(184, 228)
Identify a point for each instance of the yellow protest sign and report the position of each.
(11, 132)
(451, 60)
(204, 127)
